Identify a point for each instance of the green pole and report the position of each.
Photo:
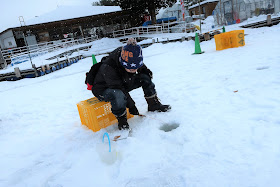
(224, 29)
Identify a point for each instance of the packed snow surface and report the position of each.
(223, 129)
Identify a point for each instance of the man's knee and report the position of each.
(120, 99)
(117, 99)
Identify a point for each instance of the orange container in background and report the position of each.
(237, 38)
(97, 115)
(229, 39)
(222, 41)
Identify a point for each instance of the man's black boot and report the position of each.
(155, 105)
(122, 122)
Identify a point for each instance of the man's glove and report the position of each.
(89, 87)
(133, 110)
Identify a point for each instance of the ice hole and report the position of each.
(167, 127)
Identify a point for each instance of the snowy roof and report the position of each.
(160, 13)
(175, 7)
(204, 2)
(164, 11)
(70, 12)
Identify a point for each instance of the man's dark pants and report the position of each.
(119, 101)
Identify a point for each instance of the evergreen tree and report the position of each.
(138, 7)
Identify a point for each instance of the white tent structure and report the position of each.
(230, 11)
(174, 11)
(277, 6)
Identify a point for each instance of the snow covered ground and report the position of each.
(106, 45)
(225, 104)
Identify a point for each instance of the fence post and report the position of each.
(35, 70)
(43, 68)
(48, 68)
(3, 63)
(206, 36)
(68, 59)
(17, 72)
(268, 19)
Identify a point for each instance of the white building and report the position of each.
(174, 11)
(232, 11)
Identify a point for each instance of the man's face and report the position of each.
(131, 70)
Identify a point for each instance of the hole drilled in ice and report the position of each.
(167, 127)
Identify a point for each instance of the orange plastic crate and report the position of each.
(237, 38)
(222, 41)
(97, 114)
(229, 39)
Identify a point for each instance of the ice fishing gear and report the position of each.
(108, 140)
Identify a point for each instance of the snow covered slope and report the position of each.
(225, 105)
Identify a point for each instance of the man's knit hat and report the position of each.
(131, 56)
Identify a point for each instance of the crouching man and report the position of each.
(122, 71)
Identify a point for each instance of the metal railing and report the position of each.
(169, 27)
(22, 54)
(137, 31)
(177, 27)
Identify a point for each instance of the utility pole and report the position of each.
(221, 13)
(22, 24)
(199, 17)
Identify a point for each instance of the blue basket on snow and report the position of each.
(41, 73)
(31, 75)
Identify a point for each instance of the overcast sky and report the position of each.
(12, 9)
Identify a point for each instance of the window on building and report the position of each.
(10, 43)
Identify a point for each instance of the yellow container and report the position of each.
(229, 39)
(222, 41)
(237, 38)
(97, 115)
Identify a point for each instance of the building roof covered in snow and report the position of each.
(204, 2)
(69, 12)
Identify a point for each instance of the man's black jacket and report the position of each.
(112, 75)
